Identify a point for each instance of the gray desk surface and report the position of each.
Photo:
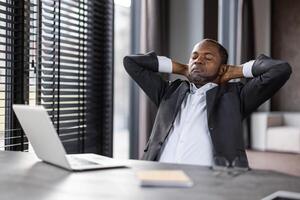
(22, 176)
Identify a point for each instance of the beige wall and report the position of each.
(186, 27)
(285, 44)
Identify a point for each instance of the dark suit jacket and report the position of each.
(227, 105)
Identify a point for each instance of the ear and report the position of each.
(223, 69)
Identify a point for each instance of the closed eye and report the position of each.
(209, 57)
(194, 55)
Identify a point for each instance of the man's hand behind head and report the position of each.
(181, 69)
(231, 72)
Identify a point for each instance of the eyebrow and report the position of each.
(206, 53)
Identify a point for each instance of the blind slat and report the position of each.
(55, 53)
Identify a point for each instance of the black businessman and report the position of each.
(199, 120)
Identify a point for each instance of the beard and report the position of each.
(200, 79)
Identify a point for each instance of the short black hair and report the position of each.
(222, 50)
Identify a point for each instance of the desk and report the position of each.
(22, 176)
(288, 163)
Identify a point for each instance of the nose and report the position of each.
(199, 59)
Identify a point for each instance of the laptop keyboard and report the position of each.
(75, 161)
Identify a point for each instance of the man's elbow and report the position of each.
(289, 69)
(129, 64)
(131, 67)
(126, 61)
(286, 69)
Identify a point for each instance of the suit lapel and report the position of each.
(169, 115)
(211, 99)
(182, 92)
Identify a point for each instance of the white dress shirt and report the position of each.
(189, 140)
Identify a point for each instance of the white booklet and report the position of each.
(164, 178)
(283, 195)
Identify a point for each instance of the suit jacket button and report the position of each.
(160, 143)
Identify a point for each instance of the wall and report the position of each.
(285, 45)
(186, 27)
(262, 34)
(262, 26)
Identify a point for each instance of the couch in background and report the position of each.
(275, 131)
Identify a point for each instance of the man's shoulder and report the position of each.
(176, 86)
(178, 82)
(233, 87)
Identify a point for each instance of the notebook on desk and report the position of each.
(164, 178)
(283, 195)
(46, 144)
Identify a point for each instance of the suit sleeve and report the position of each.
(269, 76)
(143, 69)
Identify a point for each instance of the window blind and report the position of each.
(75, 70)
(13, 72)
(58, 53)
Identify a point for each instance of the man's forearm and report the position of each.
(178, 68)
(235, 71)
(167, 65)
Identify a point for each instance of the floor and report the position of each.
(282, 162)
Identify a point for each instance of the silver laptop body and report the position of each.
(46, 144)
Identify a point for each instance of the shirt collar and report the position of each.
(203, 89)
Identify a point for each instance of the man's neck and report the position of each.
(199, 85)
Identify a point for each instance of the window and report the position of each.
(12, 71)
(5, 62)
(63, 61)
(121, 79)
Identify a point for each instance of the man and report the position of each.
(199, 121)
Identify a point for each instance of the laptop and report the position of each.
(46, 144)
